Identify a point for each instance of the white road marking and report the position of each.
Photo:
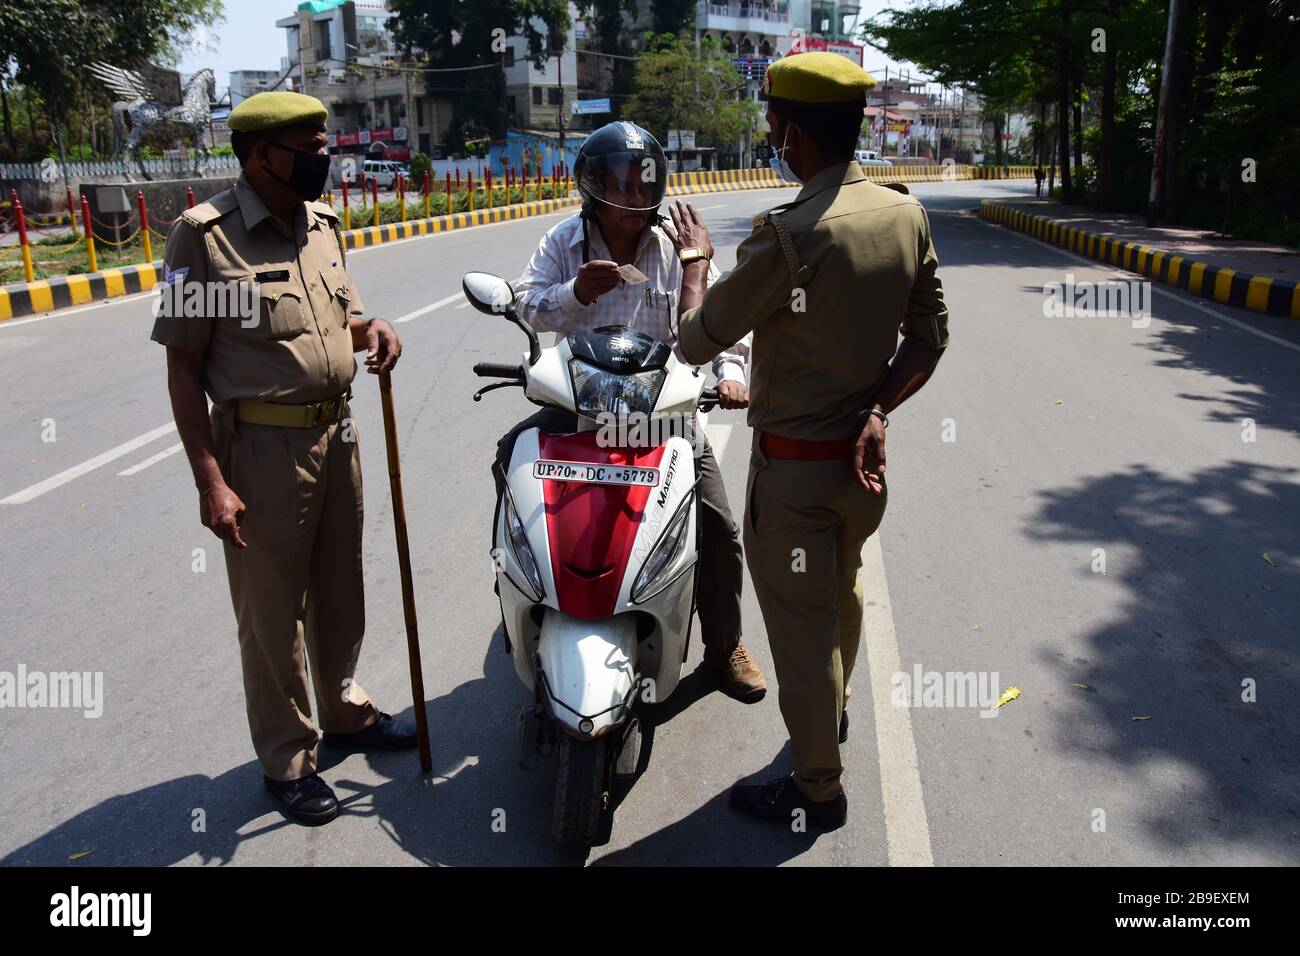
(463, 305)
(165, 453)
(721, 205)
(1164, 289)
(12, 323)
(76, 471)
(907, 834)
(429, 308)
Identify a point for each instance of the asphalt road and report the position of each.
(1071, 435)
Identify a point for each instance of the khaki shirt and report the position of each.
(872, 274)
(283, 335)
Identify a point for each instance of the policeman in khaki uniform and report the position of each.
(825, 282)
(277, 465)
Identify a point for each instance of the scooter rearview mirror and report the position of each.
(491, 295)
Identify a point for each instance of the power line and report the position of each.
(417, 69)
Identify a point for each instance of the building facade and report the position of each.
(342, 52)
(244, 83)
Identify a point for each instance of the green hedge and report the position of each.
(390, 211)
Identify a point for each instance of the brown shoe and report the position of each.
(736, 670)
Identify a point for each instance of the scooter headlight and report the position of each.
(596, 390)
(523, 554)
(653, 576)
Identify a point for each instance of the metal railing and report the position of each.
(52, 172)
(753, 10)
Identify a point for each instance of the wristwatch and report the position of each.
(693, 254)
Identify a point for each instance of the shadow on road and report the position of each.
(716, 835)
(1199, 616)
(477, 808)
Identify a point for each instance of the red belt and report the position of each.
(801, 449)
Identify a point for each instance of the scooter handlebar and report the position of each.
(498, 370)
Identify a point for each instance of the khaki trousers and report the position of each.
(805, 524)
(297, 586)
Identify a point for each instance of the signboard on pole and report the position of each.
(687, 137)
(806, 44)
(580, 107)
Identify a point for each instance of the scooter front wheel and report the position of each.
(580, 791)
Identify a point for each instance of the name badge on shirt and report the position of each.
(275, 275)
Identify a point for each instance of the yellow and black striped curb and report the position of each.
(391, 232)
(38, 220)
(46, 295)
(1220, 283)
(41, 220)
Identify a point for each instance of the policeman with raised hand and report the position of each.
(825, 282)
(277, 465)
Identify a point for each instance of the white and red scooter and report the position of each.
(595, 548)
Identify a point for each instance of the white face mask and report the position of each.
(779, 163)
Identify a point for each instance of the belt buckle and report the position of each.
(323, 411)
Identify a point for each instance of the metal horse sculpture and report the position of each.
(140, 119)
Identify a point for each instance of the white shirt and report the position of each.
(544, 296)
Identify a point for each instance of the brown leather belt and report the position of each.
(285, 415)
(802, 449)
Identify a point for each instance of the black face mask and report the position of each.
(310, 170)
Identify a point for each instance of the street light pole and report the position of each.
(559, 75)
(884, 114)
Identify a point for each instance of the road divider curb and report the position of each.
(47, 295)
(1263, 294)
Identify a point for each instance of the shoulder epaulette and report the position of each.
(323, 209)
(763, 218)
(206, 213)
(897, 187)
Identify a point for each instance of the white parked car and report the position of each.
(869, 157)
(383, 171)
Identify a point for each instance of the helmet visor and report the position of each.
(630, 180)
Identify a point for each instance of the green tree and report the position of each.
(461, 43)
(46, 45)
(671, 16)
(609, 34)
(1100, 62)
(678, 87)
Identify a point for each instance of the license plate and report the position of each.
(599, 474)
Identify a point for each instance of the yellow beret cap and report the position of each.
(817, 77)
(276, 108)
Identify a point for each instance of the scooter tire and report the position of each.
(579, 791)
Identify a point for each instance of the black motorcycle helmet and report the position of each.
(621, 165)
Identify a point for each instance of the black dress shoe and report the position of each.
(386, 733)
(844, 726)
(308, 800)
(777, 800)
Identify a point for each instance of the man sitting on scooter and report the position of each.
(573, 281)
